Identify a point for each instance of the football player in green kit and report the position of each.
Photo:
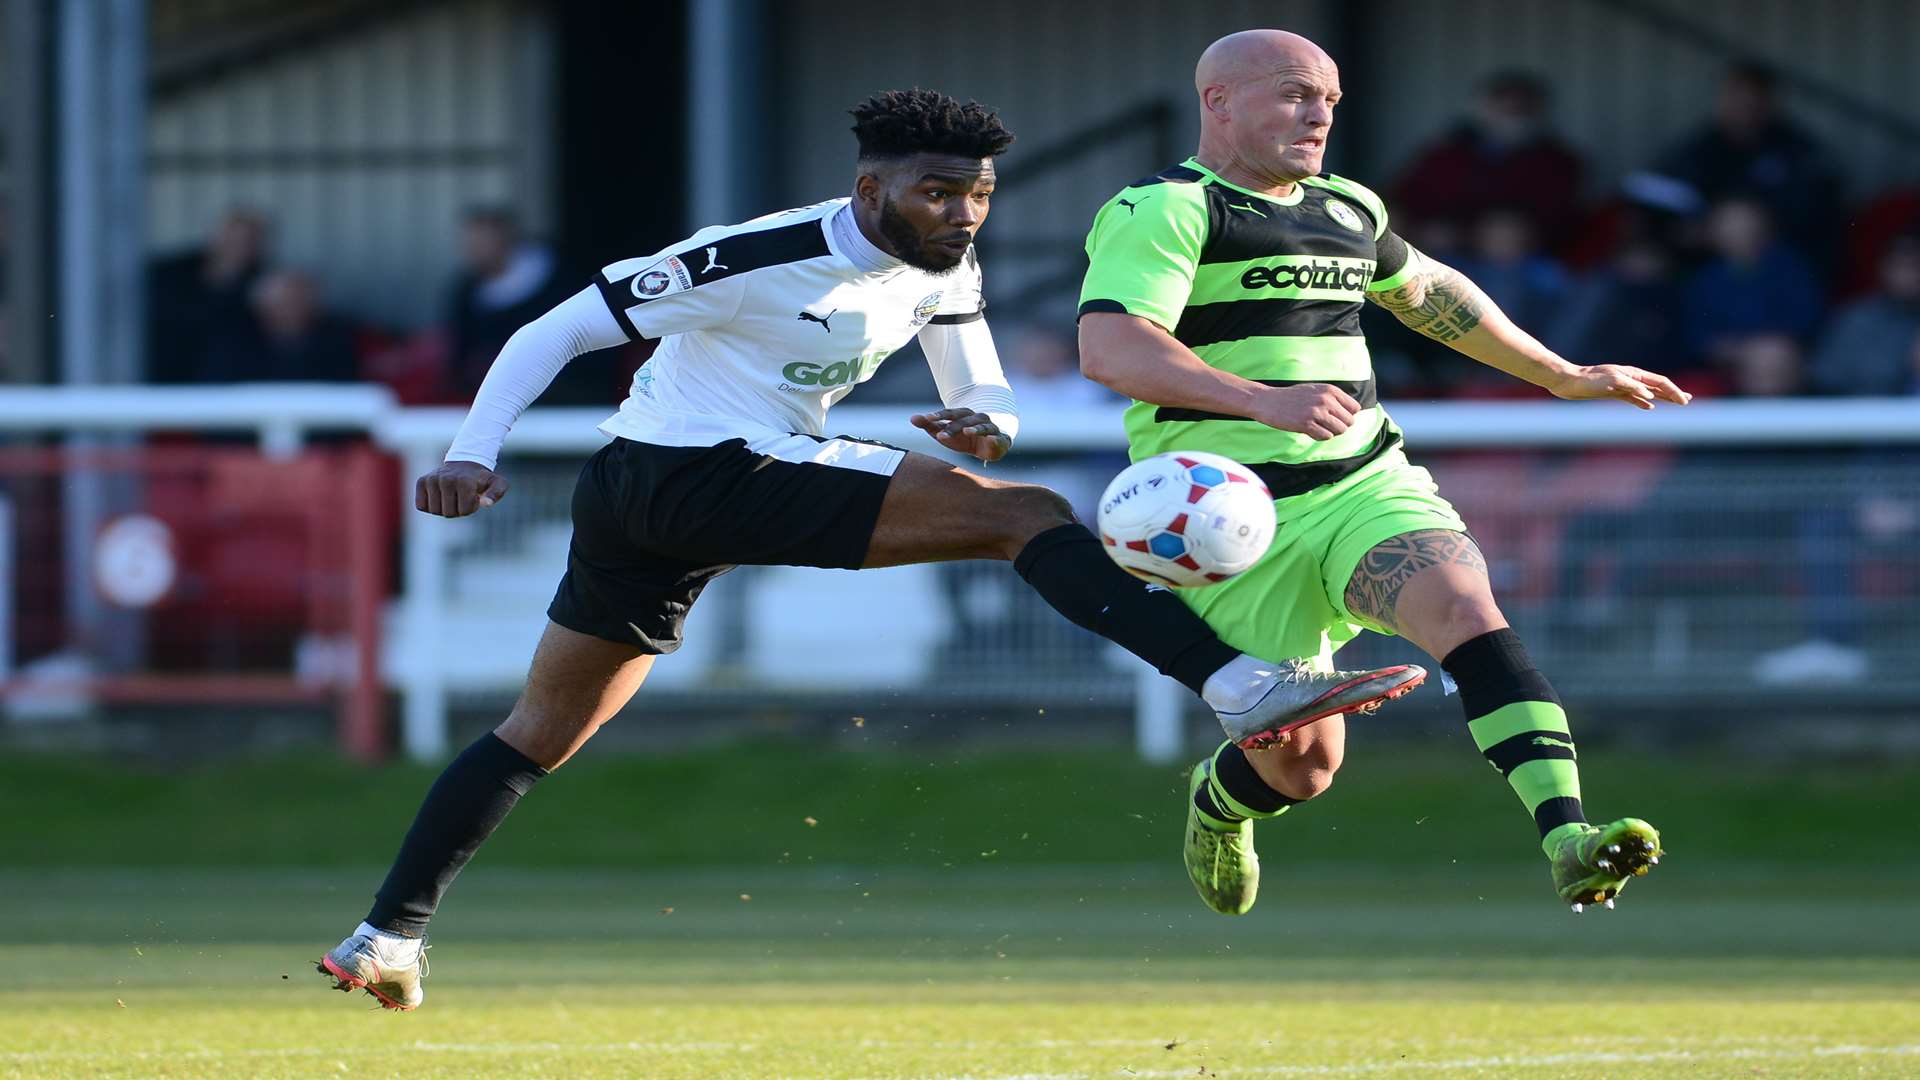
(1224, 297)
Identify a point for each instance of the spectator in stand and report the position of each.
(1503, 257)
(1502, 156)
(1507, 262)
(1867, 349)
(290, 338)
(1765, 365)
(507, 281)
(1751, 284)
(1630, 310)
(198, 297)
(1750, 148)
(1043, 365)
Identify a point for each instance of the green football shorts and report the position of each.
(1291, 604)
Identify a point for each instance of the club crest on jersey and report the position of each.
(925, 309)
(1345, 215)
(669, 275)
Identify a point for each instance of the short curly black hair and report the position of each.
(901, 123)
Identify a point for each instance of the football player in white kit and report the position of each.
(719, 457)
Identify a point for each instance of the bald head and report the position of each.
(1266, 104)
(1256, 54)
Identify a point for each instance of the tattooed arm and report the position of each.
(1438, 301)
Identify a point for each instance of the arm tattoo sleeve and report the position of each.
(1375, 588)
(1438, 301)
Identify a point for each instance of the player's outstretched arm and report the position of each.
(458, 488)
(1138, 358)
(1440, 302)
(528, 363)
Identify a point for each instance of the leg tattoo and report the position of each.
(1374, 591)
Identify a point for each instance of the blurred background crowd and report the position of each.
(1738, 259)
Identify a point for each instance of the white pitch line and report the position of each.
(354, 1051)
(1500, 1062)
(420, 1046)
(1737, 1053)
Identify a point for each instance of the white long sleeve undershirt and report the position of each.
(966, 368)
(527, 365)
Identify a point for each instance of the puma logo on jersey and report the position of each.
(809, 316)
(1248, 207)
(1548, 740)
(1132, 206)
(713, 261)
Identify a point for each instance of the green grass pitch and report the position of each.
(956, 949)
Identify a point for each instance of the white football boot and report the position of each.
(1297, 695)
(386, 965)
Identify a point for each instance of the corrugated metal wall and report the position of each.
(1626, 89)
(365, 149)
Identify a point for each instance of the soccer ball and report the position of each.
(1186, 518)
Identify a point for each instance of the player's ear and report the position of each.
(869, 187)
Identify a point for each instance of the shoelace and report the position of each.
(1298, 671)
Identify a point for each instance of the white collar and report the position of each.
(855, 246)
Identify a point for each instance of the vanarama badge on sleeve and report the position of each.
(669, 275)
(1345, 215)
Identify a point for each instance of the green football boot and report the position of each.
(1591, 865)
(1221, 862)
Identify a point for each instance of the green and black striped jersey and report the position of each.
(1267, 289)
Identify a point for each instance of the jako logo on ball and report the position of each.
(1186, 518)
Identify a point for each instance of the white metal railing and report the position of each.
(421, 436)
(283, 415)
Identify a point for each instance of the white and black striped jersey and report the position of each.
(764, 325)
(772, 321)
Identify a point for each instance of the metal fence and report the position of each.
(1729, 556)
(1705, 563)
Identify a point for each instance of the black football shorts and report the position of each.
(653, 524)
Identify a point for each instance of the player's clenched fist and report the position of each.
(1318, 410)
(458, 488)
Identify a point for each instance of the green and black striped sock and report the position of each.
(1234, 792)
(1517, 722)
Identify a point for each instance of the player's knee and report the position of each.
(1308, 783)
(547, 736)
(1032, 511)
(1311, 772)
(1301, 767)
(1465, 617)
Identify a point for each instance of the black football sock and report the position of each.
(1069, 569)
(462, 809)
(1234, 792)
(1517, 722)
